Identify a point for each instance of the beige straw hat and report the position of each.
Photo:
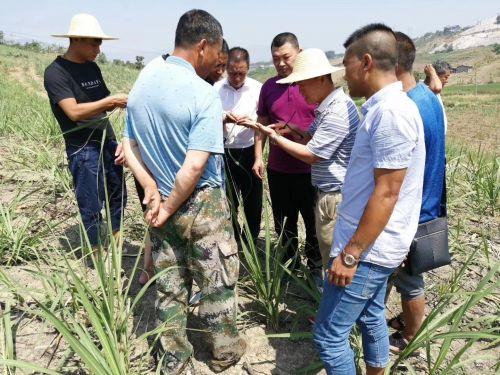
(310, 63)
(85, 26)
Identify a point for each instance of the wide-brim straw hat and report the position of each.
(310, 63)
(85, 26)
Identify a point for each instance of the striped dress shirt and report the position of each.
(333, 132)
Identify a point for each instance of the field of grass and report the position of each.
(59, 317)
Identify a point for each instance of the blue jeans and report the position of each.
(362, 302)
(90, 174)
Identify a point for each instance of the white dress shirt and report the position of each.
(391, 136)
(241, 102)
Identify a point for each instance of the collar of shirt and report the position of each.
(381, 95)
(227, 85)
(328, 100)
(176, 60)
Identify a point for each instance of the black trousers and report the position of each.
(241, 180)
(292, 193)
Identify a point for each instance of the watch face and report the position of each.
(349, 259)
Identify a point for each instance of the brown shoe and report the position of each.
(227, 360)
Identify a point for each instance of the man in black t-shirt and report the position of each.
(79, 100)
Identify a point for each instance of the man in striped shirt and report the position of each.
(327, 144)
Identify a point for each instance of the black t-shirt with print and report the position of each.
(65, 79)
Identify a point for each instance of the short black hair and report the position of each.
(283, 38)
(195, 25)
(406, 51)
(383, 51)
(225, 47)
(441, 67)
(237, 54)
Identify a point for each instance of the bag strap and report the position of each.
(444, 198)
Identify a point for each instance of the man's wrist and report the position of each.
(355, 249)
(275, 136)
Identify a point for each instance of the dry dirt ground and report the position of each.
(38, 342)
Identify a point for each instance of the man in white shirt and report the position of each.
(380, 208)
(240, 96)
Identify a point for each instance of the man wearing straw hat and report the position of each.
(328, 143)
(79, 100)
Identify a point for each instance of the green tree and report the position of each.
(102, 59)
(2, 40)
(496, 48)
(33, 46)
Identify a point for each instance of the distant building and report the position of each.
(462, 69)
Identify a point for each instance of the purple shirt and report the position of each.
(284, 103)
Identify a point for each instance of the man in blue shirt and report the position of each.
(411, 287)
(173, 145)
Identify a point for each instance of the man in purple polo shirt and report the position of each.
(289, 178)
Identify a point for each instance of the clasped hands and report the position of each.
(157, 212)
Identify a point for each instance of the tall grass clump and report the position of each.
(267, 271)
(92, 310)
(449, 325)
(474, 180)
(17, 240)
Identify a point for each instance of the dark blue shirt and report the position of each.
(435, 147)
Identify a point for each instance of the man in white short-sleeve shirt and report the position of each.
(240, 95)
(380, 207)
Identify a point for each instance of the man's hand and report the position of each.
(120, 155)
(258, 168)
(247, 123)
(432, 79)
(339, 274)
(118, 100)
(429, 70)
(233, 118)
(281, 128)
(162, 217)
(152, 200)
(268, 131)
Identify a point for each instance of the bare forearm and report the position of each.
(378, 209)
(89, 110)
(259, 138)
(259, 143)
(86, 111)
(375, 217)
(136, 165)
(297, 150)
(299, 135)
(185, 182)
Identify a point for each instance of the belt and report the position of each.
(319, 191)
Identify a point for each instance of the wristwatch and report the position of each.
(349, 259)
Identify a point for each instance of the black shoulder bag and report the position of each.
(429, 249)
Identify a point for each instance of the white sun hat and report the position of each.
(85, 26)
(310, 63)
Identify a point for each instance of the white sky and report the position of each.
(147, 27)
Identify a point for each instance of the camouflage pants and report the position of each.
(197, 243)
